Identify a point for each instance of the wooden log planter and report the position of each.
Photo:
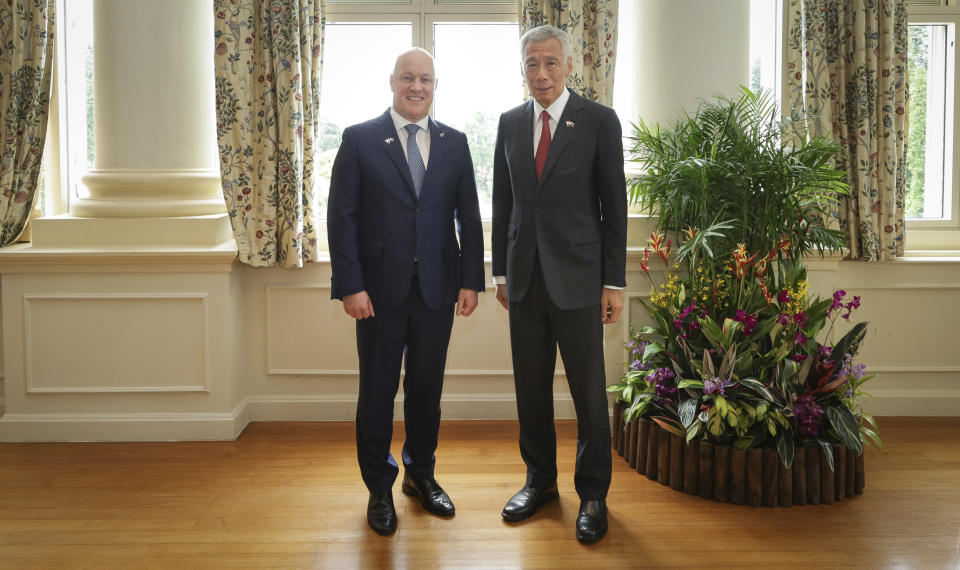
(753, 477)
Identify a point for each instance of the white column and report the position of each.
(688, 49)
(155, 143)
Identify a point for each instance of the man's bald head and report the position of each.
(412, 82)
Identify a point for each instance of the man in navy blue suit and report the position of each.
(559, 259)
(402, 192)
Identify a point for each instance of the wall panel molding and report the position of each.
(34, 383)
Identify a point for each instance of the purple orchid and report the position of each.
(807, 414)
(715, 385)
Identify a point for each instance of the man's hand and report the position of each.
(466, 302)
(502, 295)
(611, 303)
(358, 305)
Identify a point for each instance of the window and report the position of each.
(932, 206)
(473, 102)
(76, 96)
(68, 151)
(362, 40)
(765, 46)
(929, 148)
(354, 88)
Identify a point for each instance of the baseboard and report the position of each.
(227, 426)
(122, 427)
(913, 403)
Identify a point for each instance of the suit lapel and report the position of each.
(525, 140)
(387, 134)
(438, 150)
(566, 127)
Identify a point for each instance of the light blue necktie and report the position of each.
(414, 160)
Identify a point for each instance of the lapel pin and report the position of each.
(570, 123)
(442, 133)
(389, 140)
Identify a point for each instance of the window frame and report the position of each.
(926, 237)
(421, 14)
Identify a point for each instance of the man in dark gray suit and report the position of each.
(559, 256)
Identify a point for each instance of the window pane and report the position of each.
(358, 60)
(929, 161)
(624, 73)
(764, 55)
(78, 93)
(465, 101)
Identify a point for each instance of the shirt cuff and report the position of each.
(614, 287)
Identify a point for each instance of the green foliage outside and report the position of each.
(917, 48)
(482, 137)
(91, 126)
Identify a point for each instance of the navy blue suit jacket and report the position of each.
(376, 226)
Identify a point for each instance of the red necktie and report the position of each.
(543, 147)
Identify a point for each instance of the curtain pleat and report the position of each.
(269, 58)
(26, 65)
(847, 79)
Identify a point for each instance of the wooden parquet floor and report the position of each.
(289, 495)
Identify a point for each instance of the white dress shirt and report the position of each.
(423, 135)
(555, 110)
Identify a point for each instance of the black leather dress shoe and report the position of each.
(431, 495)
(527, 501)
(592, 522)
(381, 516)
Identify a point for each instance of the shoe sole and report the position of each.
(546, 498)
(412, 491)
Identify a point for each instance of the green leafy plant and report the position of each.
(737, 360)
(738, 352)
(726, 171)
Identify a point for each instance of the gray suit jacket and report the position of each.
(574, 218)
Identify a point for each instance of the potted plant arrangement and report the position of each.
(744, 388)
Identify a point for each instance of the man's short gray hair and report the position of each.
(542, 34)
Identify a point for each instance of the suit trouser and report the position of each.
(537, 328)
(422, 335)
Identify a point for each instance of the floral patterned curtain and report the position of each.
(847, 76)
(268, 58)
(26, 65)
(592, 25)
